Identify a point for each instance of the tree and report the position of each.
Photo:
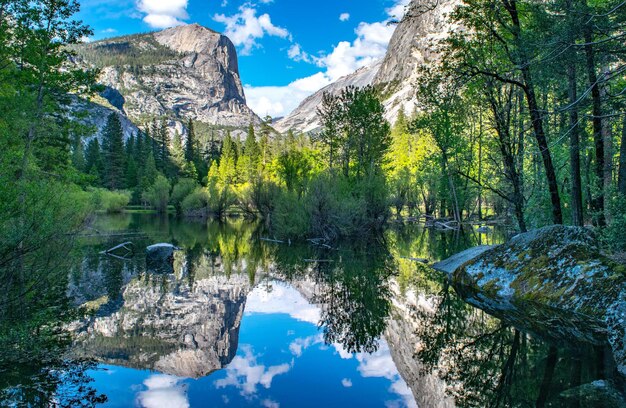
(158, 195)
(114, 153)
(228, 160)
(191, 145)
(250, 157)
(355, 131)
(442, 117)
(500, 47)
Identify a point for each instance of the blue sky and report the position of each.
(287, 48)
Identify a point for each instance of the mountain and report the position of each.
(412, 46)
(304, 118)
(186, 72)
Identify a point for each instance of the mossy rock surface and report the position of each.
(560, 271)
(557, 266)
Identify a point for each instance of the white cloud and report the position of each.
(246, 374)
(163, 14)
(299, 345)
(397, 11)
(282, 299)
(344, 17)
(346, 57)
(346, 382)
(163, 391)
(268, 403)
(245, 28)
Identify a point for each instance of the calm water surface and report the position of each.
(243, 322)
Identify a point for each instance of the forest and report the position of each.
(520, 122)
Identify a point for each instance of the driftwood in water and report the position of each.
(420, 260)
(277, 241)
(128, 246)
(447, 225)
(319, 242)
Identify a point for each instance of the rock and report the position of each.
(305, 119)
(553, 280)
(413, 45)
(451, 264)
(160, 253)
(185, 72)
(169, 327)
(596, 394)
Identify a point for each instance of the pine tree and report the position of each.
(130, 174)
(114, 153)
(227, 167)
(191, 148)
(78, 155)
(250, 162)
(94, 165)
(177, 154)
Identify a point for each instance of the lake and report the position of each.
(242, 321)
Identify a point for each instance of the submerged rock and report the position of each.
(160, 253)
(554, 279)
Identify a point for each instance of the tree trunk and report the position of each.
(597, 203)
(535, 115)
(574, 149)
(455, 200)
(621, 183)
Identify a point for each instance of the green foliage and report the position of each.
(133, 52)
(109, 201)
(114, 154)
(181, 190)
(196, 203)
(355, 133)
(615, 234)
(158, 195)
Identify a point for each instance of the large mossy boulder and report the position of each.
(554, 279)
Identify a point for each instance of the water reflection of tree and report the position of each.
(62, 384)
(486, 363)
(354, 298)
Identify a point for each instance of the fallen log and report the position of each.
(128, 246)
(420, 260)
(273, 240)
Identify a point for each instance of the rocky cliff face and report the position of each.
(304, 118)
(186, 72)
(414, 44)
(182, 331)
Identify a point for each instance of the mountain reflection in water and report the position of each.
(242, 322)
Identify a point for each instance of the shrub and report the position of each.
(260, 198)
(221, 198)
(333, 207)
(158, 195)
(196, 204)
(109, 201)
(614, 235)
(290, 216)
(182, 190)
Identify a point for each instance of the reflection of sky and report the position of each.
(281, 361)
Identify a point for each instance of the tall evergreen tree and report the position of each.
(191, 145)
(94, 165)
(114, 153)
(251, 153)
(228, 162)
